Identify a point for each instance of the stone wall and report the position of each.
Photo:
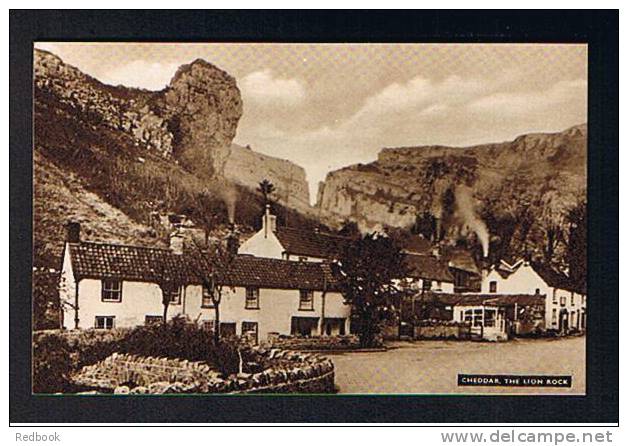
(442, 331)
(341, 342)
(292, 372)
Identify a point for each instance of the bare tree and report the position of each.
(211, 266)
(169, 278)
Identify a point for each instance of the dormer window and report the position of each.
(492, 286)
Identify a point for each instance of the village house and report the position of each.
(106, 285)
(280, 242)
(565, 305)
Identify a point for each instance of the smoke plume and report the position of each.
(229, 196)
(465, 205)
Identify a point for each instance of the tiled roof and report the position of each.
(552, 277)
(428, 267)
(310, 243)
(275, 273)
(461, 259)
(104, 260)
(147, 264)
(416, 244)
(491, 299)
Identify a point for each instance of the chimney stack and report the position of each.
(269, 222)
(73, 232)
(233, 242)
(177, 241)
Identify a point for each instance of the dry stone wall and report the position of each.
(122, 373)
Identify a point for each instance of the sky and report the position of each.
(326, 106)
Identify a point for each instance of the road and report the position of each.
(431, 367)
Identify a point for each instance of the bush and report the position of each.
(182, 340)
(52, 364)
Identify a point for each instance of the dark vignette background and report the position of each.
(600, 29)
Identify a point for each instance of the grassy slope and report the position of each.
(89, 172)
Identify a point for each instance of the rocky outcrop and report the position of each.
(547, 170)
(246, 167)
(197, 111)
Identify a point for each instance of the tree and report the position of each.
(169, 279)
(266, 188)
(369, 269)
(553, 234)
(576, 244)
(211, 266)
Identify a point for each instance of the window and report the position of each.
(563, 301)
(252, 298)
(427, 285)
(554, 301)
(306, 300)
(209, 325)
(537, 291)
(153, 320)
(572, 299)
(207, 301)
(104, 322)
(175, 296)
(439, 285)
(111, 290)
(554, 316)
(302, 259)
(250, 329)
(492, 286)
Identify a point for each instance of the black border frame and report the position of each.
(600, 29)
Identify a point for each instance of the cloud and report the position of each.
(263, 87)
(141, 74)
(453, 111)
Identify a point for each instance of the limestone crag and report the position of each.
(545, 169)
(199, 109)
(247, 167)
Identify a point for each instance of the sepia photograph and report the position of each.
(292, 218)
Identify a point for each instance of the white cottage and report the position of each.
(280, 242)
(565, 305)
(110, 285)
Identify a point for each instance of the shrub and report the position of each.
(52, 364)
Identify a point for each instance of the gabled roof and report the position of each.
(310, 243)
(552, 277)
(462, 260)
(148, 264)
(105, 260)
(428, 267)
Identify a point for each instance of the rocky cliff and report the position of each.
(136, 153)
(542, 173)
(246, 167)
(198, 110)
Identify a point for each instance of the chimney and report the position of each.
(269, 222)
(484, 268)
(177, 241)
(233, 242)
(73, 232)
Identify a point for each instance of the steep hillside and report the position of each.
(136, 153)
(540, 175)
(59, 194)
